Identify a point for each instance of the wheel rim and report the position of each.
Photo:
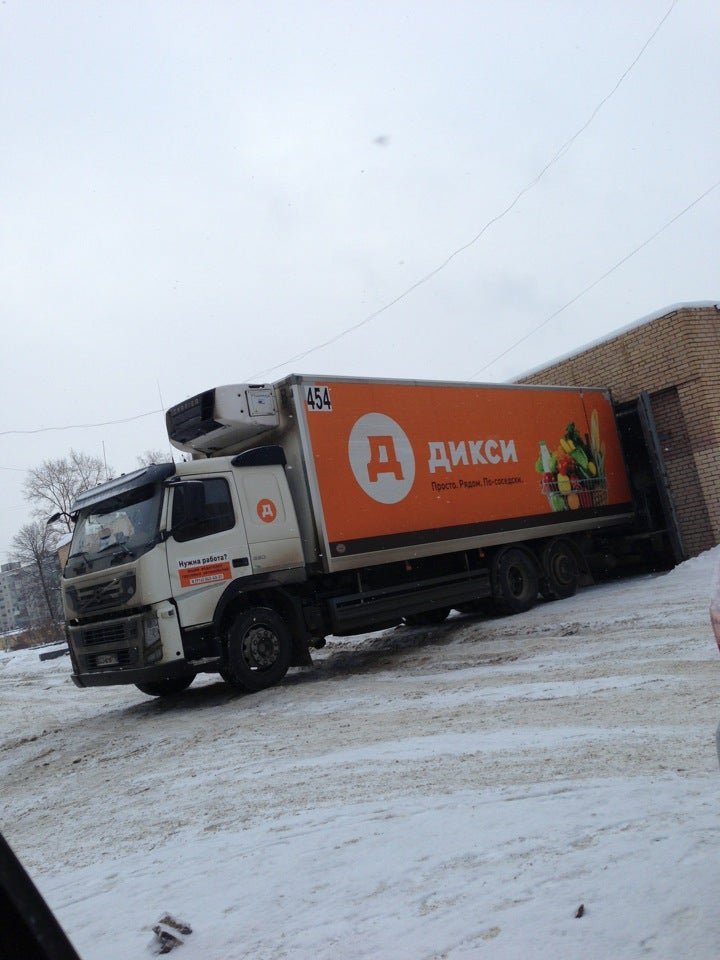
(563, 569)
(516, 580)
(260, 648)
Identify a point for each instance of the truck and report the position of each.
(319, 506)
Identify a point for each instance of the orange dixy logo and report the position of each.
(266, 510)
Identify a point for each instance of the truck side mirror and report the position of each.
(57, 516)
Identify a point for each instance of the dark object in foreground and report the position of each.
(580, 911)
(167, 930)
(28, 927)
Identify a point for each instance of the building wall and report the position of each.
(7, 597)
(674, 358)
(13, 607)
(22, 599)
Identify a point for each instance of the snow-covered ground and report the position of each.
(456, 792)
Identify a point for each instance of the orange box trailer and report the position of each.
(390, 470)
(407, 468)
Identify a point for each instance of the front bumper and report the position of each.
(141, 646)
(106, 678)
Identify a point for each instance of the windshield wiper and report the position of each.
(82, 555)
(112, 546)
(123, 551)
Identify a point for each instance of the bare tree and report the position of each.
(154, 456)
(34, 546)
(54, 485)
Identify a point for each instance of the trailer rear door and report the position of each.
(648, 474)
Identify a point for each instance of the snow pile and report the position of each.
(455, 792)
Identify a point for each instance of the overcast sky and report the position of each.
(192, 193)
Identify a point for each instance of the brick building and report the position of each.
(663, 372)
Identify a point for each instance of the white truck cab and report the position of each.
(158, 554)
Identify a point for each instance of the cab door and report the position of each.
(270, 520)
(207, 546)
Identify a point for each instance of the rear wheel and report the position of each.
(515, 580)
(259, 647)
(429, 618)
(165, 688)
(560, 569)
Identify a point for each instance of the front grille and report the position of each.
(117, 631)
(102, 595)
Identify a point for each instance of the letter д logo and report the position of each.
(381, 458)
(266, 510)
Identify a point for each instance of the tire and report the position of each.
(515, 580)
(430, 618)
(560, 571)
(165, 688)
(258, 652)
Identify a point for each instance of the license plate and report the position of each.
(107, 660)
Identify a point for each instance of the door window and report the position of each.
(200, 508)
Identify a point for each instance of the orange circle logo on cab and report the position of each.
(266, 510)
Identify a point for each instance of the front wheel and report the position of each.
(165, 688)
(258, 652)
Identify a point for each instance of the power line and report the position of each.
(528, 186)
(429, 276)
(81, 426)
(607, 273)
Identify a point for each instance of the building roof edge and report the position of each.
(606, 338)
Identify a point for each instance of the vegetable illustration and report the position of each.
(597, 447)
(573, 475)
(563, 483)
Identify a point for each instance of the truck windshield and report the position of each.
(115, 530)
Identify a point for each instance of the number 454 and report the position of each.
(318, 398)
